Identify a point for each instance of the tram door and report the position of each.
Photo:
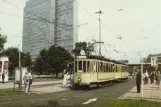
(93, 74)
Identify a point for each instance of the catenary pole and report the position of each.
(100, 12)
(20, 84)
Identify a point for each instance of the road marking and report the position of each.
(64, 99)
(90, 100)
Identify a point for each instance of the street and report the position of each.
(99, 97)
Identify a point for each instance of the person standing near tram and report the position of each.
(146, 77)
(30, 80)
(72, 78)
(152, 76)
(26, 81)
(158, 79)
(138, 82)
(65, 78)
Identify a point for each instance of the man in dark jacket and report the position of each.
(138, 82)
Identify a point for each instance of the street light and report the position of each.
(19, 55)
(20, 84)
(141, 61)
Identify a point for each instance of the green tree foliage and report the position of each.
(87, 47)
(3, 40)
(13, 54)
(53, 60)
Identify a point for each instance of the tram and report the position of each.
(95, 72)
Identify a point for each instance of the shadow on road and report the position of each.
(95, 87)
(52, 104)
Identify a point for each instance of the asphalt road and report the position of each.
(70, 98)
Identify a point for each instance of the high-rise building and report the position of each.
(49, 22)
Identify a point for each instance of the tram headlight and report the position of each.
(79, 79)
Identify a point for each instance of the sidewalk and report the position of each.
(11, 85)
(150, 92)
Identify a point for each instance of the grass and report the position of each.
(134, 103)
(37, 79)
(10, 93)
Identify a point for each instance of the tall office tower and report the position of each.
(49, 22)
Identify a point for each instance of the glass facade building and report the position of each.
(49, 22)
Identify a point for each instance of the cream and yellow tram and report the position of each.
(97, 72)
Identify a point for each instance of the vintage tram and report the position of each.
(95, 72)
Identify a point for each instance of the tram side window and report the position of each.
(111, 67)
(80, 65)
(106, 67)
(101, 66)
(75, 66)
(84, 66)
(88, 66)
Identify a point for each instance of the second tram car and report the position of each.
(94, 72)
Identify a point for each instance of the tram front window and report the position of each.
(80, 66)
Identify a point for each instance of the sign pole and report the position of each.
(141, 78)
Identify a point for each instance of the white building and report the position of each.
(49, 22)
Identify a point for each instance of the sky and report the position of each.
(137, 21)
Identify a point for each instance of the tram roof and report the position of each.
(98, 58)
(139, 64)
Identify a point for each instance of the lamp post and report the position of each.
(141, 61)
(20, 83)
(100, 12)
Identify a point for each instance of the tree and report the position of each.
(13, 54)
(88, 48)
(3, 40)
(38, 66)
(53, 60)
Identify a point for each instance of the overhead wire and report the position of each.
(110, 31)
(85, 9)
(27, 11)
(43, 19)
(13, 15)
(96, 18)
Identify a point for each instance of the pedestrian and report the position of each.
(152, 77)
(138, 82)
(26, 81)
(72, 79)
(3, 77)
(65, 79)
(68, 79)
(30, 81)
(158, 78)
(146, 75)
